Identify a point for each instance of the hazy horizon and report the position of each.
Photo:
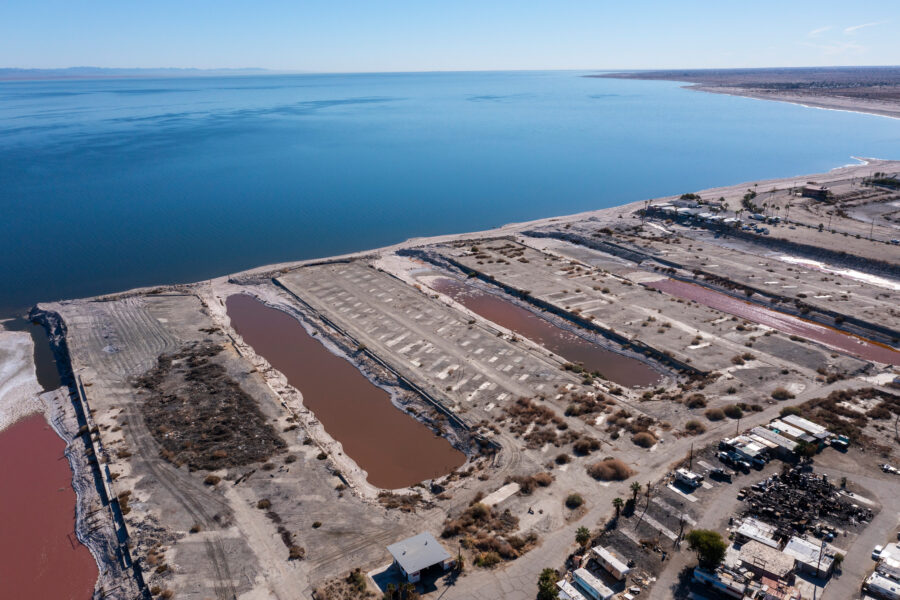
(348, 36)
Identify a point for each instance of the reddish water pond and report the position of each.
(615, 367)
(40, 557)
(780, 321)
(395, 450)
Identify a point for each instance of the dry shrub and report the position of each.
(480, 518)
(696, 401)
(733, 411)
(715, 414)
(584, 404)
(264, 504)
(563, 458)
(610, 469)
(405, 502)
(573, 501)
(527, 483)
(694, 427)
(212, 479)
(585, 445)
(780, 393)
(879, 412)
(487, 559)
(644, 439)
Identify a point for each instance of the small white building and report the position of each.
(418, 553)
(567, 591)
(809, 557)
(614, 565)
(592, 586)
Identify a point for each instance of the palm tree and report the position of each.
(618, 503)
(582, 535)
(635, 490)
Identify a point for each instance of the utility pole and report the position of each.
(691, 458)
(872, 229)
(818, 567)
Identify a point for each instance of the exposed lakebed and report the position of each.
(391, 446)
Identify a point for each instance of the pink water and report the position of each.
(785, 323)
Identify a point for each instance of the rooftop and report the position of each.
(611, 559)
(807, 552)
(759, 531)
(805, 424)
(766, 558)
(418, 552)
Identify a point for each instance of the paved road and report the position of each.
(858, 560)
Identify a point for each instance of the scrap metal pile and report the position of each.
(798, 500)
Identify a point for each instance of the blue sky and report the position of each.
(417, 35)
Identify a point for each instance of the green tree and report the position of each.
(618, 503)
(583, 535)
(547, 589)
(806, 449)
(709, 546)
(635, 490)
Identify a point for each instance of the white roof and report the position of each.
(567, 591)
(759, 531)
(883, 586)
(807, 552)
(889, 567)
(761, 440)
(775, 438)
(611, 559)
(585, 579)
(787, 429)
(418, 552)
(891, 551)
(804, 424)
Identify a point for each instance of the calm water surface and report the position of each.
(40, 556)
(109, 184)
(394, 449)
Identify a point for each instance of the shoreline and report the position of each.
(850, 107)
(866, 166)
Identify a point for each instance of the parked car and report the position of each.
(721, 475)
(876, 552)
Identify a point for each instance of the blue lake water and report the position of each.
(117, 183)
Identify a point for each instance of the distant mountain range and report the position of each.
(89, 72)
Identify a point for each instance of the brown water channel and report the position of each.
(616, 367)
(394, 449)
(40, 556)
(785, 323)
